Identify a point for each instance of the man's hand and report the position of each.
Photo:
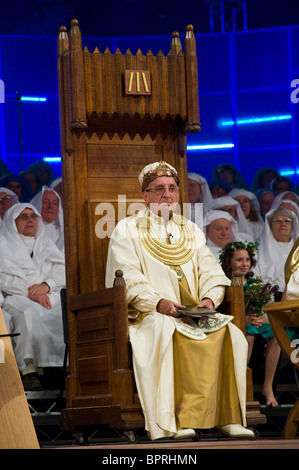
(38, 293)
(206, 302)
(167, 307)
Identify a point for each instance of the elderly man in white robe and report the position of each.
(230, 205)
(220, 228)
(189, 375)
(32, 273)
(48, 204)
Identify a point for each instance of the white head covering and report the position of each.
(277, 204)
(56, 182)
(14, 254)
(254, 228)
(242, 222)
(154, 170)
(215, 215)
(277, 200)
(272, 255)
(206, 196)
(13, 195)
(55, 229)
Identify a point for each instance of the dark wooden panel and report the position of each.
(128, 159)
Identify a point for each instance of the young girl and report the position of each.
(239, 256)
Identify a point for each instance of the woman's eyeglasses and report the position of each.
(5, 199)
(27, 216)
(279, 220)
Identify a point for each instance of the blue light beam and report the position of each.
(257, 120)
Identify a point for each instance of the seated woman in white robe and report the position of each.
(7, 199)
(188, 375)
(32, 273)
(48, 204)
(276, 242)
(251, 210)
(230, 205)
(198, 192)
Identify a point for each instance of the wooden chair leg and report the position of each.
(290, 429)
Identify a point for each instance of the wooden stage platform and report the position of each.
(212, 444)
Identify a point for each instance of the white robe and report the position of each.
(148, 280)
(41, 329)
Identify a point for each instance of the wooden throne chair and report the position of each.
(118, 113)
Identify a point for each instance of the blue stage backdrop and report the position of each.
(246, 82)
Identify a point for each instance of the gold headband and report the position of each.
(162, 169)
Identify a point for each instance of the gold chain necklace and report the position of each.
(174, 254)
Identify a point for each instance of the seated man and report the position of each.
(188, 375)
(230, 205)
(220, 229)
(32, 273)
(48, 204)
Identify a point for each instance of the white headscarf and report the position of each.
(56, 182)
(14, 197)
(255, 228)
(241, 220)
(215, 215)
(55, 229)
(272, 255)
(277, 200)
(277, 204)
(14, 254)
(206, 196)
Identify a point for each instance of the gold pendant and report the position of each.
(179, 274)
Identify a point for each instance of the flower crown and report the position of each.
(234, 246)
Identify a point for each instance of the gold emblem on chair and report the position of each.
(137, 82)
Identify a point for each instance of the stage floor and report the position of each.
(271, 443)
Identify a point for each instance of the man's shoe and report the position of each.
(185, 434)
(31, 382)
(236, 430)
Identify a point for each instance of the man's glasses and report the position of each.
(279, 220)
(27, 216)
(160, 190)
(5, 199)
